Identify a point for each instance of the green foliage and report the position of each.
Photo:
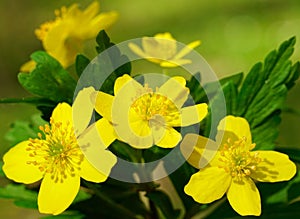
(163, 202)
(23, 130)
(22, 197)
(115, 59)
(49, 79)
(81, 63)
(66, 215)
(263, 93)
(1, 171)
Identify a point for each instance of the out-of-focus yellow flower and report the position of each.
(234, 167)
(63, 37)
(162, 49)
(142, 117)
(56, 159)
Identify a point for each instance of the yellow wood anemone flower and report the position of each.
(56, 159)
(235, 168)
(162, 49)
(142, 117)
(63, 37)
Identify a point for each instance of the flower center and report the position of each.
(237, 159)
(152, 106)
(57, 153)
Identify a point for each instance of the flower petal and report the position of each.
(199, 151)
(244, 197)
(126, 82)
(171, 63)
(137, 125)
(56, 197)
(28, 66)
(191, 115)
(137, 50)
(234, 127)
(170, 139)
(208, 185)
(104, 104)
(88, 171)
(187, 49)
(82, 109)
(100, 133)
(62, 113)
(274, 167)
(16, 167)
(175, 90)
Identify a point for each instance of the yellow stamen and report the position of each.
(237, 159)
(57, 153)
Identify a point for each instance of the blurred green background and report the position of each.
(235, 34)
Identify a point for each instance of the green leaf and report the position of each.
(49, 79)
(29, 100)
(263, 93)
(1, 171)
(81, 63)
(163, 202)
(66, 215)
(115, 60)
(22, 197)
(82, 196)
(23, 130)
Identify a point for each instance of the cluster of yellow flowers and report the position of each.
(141, 117)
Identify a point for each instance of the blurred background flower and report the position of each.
(234, 35)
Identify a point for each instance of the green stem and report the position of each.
(115, 206)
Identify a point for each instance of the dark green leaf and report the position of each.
(49, 79)
(81, 196)
(81, 63)
(29, 100)
(163, 202)
(1, 171)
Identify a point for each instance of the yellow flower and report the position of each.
(143, 117)
(56, 159)
(162, 49)
(63, 37)
(234, 168)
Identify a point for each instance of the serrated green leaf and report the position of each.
(264, 91)
(49, 79)
(163, 202)
(81, 63)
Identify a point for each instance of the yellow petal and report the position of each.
(274, 167)
(54, 198)
(137, 50)
(191, 115)
(100, 133)
(63, 113)
(175, 90)
(91, 10)
(170, 139)
(104, 104)
(159, 47)
(16, 167)
(128, 85)
(187, 49)
(244, 197)
(165, 35)
(90, 173)
(208, 185)
(28, 66)
(199, 151)
(234, 126)
(138, 125)
(82, 109)
(171, 63)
